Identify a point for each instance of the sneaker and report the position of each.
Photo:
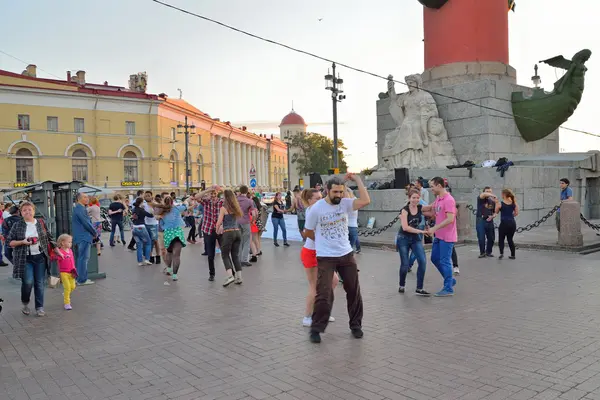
(68, 307)
(357, 333)
(157, 260)
(307, 321)
(246, 264)
(168, 271)
(331, 319)
(218, 251)
(149, 262)
(40, 312)
(456, 271)
(88, 282)
(259, 253)
(444, 293)
(275, 244)
(501, 256)
(174, 277)
(358, 251)
(315, 337)
(141, 264)
(401, 289)
(253, 259)
(3, 264)
(482, 255)
(238, 279)
(25, 310)
(489, 255)
(205, 254)
(422, 292)
(228, 281)
(211, 278)
(512, 257)
(286, 244)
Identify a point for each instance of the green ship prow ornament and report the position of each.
(542, 113)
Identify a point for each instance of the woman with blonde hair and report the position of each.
(171, 224)
(508, 209)
(93, 212)
(308, 255)
(232, 237)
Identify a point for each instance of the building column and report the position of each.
(240, 176)
(259, 166)
(219, 165)
(213, 159)
(232, 164)
(226, 178)
(244, 159)
(248, 161)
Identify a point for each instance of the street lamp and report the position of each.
(187, 130)
(335, 85)
(536, 78)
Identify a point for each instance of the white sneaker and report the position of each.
(229, 280)
(307, 321)
(88, 282)
(331, 319)
(141, 264)
(456, 271)
(147, 262)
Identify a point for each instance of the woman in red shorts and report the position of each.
(308, 255)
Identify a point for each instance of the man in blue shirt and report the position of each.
(566, 194)
(83, 236)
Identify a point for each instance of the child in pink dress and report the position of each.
(66, 267)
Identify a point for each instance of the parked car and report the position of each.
(268, 197)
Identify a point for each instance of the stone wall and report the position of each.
(476, 132)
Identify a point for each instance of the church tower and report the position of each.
(292, 125)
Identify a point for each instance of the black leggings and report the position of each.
(173, 257)
(192, 234)
(507, 230)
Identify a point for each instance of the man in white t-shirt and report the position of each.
(327, 225)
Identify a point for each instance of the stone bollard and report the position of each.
(463, 221)
(570, 225)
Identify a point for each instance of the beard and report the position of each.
(335, 200)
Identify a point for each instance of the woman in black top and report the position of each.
(409, 238)
(278, 221)
(508, 209)
(140, 233)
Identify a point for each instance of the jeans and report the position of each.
(142, 242)
(230, 249)
(81, 261)
(404, 243)
(279, 223)
(210, 244)
(353, 237)
(485, 232)
(441, 257)
(8, 252)
(113, 226)
(348, 271)
(244, 252)
(34, 277)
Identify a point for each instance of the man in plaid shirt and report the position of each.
(212, 204)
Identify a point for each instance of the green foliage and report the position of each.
(315, 153)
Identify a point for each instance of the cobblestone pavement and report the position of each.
(524, 329)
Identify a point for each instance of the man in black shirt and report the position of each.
(116, 210)
(6, 226)
(486, 212)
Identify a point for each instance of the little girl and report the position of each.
(66, 267)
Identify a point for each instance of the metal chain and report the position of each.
(588, 223)
(373, 232)
(530, 226)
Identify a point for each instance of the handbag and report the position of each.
(53, 281)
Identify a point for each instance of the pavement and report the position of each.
(523, 329)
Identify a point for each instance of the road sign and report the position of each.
(252, 171)
(253, 183)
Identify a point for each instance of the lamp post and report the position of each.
(335, 85)
(187, 130)
(536, 78)
(286, 139)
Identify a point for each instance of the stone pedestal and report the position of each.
(475, 129)
(570, 225)
(463, 220)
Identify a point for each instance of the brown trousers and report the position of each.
(347, 268)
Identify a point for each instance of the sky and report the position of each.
(240, 79)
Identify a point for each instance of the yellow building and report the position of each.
(121, 138)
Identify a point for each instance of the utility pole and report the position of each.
(335, 85)
(183, 129)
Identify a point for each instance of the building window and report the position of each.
(131, 167)
(23, 122)
(52, 123)
(24, 166)
(79, 125)
(130, 127)
(200, 162)
(79, 166)
(172, 168)
(173, 134)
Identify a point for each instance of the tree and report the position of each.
(313, 153)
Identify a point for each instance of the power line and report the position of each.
(252, 35)
(26, 63)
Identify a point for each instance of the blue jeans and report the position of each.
(34, 277)
(353, 237)
(113, 227)
(441, 257)
(404, 243)
(143, 243)
(279, 223)
(81, 261)
(485, 230)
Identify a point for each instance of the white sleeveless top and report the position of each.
(309, 243)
